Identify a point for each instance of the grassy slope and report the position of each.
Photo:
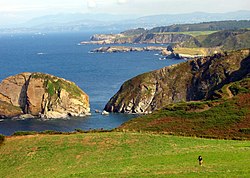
(227, 40)
(122, 155)
(197, 51)
(223, 118)
(192, 33)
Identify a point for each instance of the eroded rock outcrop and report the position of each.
(196, 79)
(115, 49)
(41, 95)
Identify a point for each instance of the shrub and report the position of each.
(51, 132)
(2, 138)
(245, 130)
(21, 133)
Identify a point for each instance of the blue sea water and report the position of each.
(100, 75)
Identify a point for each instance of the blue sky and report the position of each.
(21, 10)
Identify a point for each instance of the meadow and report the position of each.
(122, 154)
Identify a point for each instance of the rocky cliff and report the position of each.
(196, 79)
(41, 95)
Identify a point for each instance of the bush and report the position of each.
(21, 133)
(80, 131)
(51, 132)
(245, 130)
(2, 138)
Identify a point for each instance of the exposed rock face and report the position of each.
(41, 95)
(196, 79)
(12, 90)
(162, 38)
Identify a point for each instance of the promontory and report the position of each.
(41, 95)
(194, 80)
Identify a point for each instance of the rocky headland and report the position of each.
(163, 51)
(197, 79)
(122, 38)
(41, 95)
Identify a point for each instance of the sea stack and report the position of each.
(41, 95)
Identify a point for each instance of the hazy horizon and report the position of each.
(16, 11)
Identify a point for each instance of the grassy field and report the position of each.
(192, 51)
(121, 154)
(197, 51)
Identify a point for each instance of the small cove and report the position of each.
(100, 75)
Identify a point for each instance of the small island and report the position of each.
(29, 95)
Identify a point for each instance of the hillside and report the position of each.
(229, 34)
(204, 26)
(134, 36)
(193, 80)
(122, 154)
(227, 118)
(226, 40)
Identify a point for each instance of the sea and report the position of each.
(100, 75)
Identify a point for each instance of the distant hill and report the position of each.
(109, 22)
(204, 26)
(195, 17)
(227, 35)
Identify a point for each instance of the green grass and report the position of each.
(54, 84)
(192, 51)
(118, 154)
(192, 33)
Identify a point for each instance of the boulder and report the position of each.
(42, 95)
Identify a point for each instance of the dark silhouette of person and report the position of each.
(200, 160)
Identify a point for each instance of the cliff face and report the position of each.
(41, 95)
(193, 80)
(162, 38)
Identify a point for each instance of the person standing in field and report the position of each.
(200, 160)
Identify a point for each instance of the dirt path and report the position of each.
(230, 94)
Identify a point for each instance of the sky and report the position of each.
(12, 11)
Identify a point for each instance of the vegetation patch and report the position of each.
(242, 86)
(192, 33)
(2, 138)
(54, 85)
(22, 133)
(197, 51)
(245, 130)
(214, 119)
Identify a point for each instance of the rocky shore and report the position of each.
(115, 49)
